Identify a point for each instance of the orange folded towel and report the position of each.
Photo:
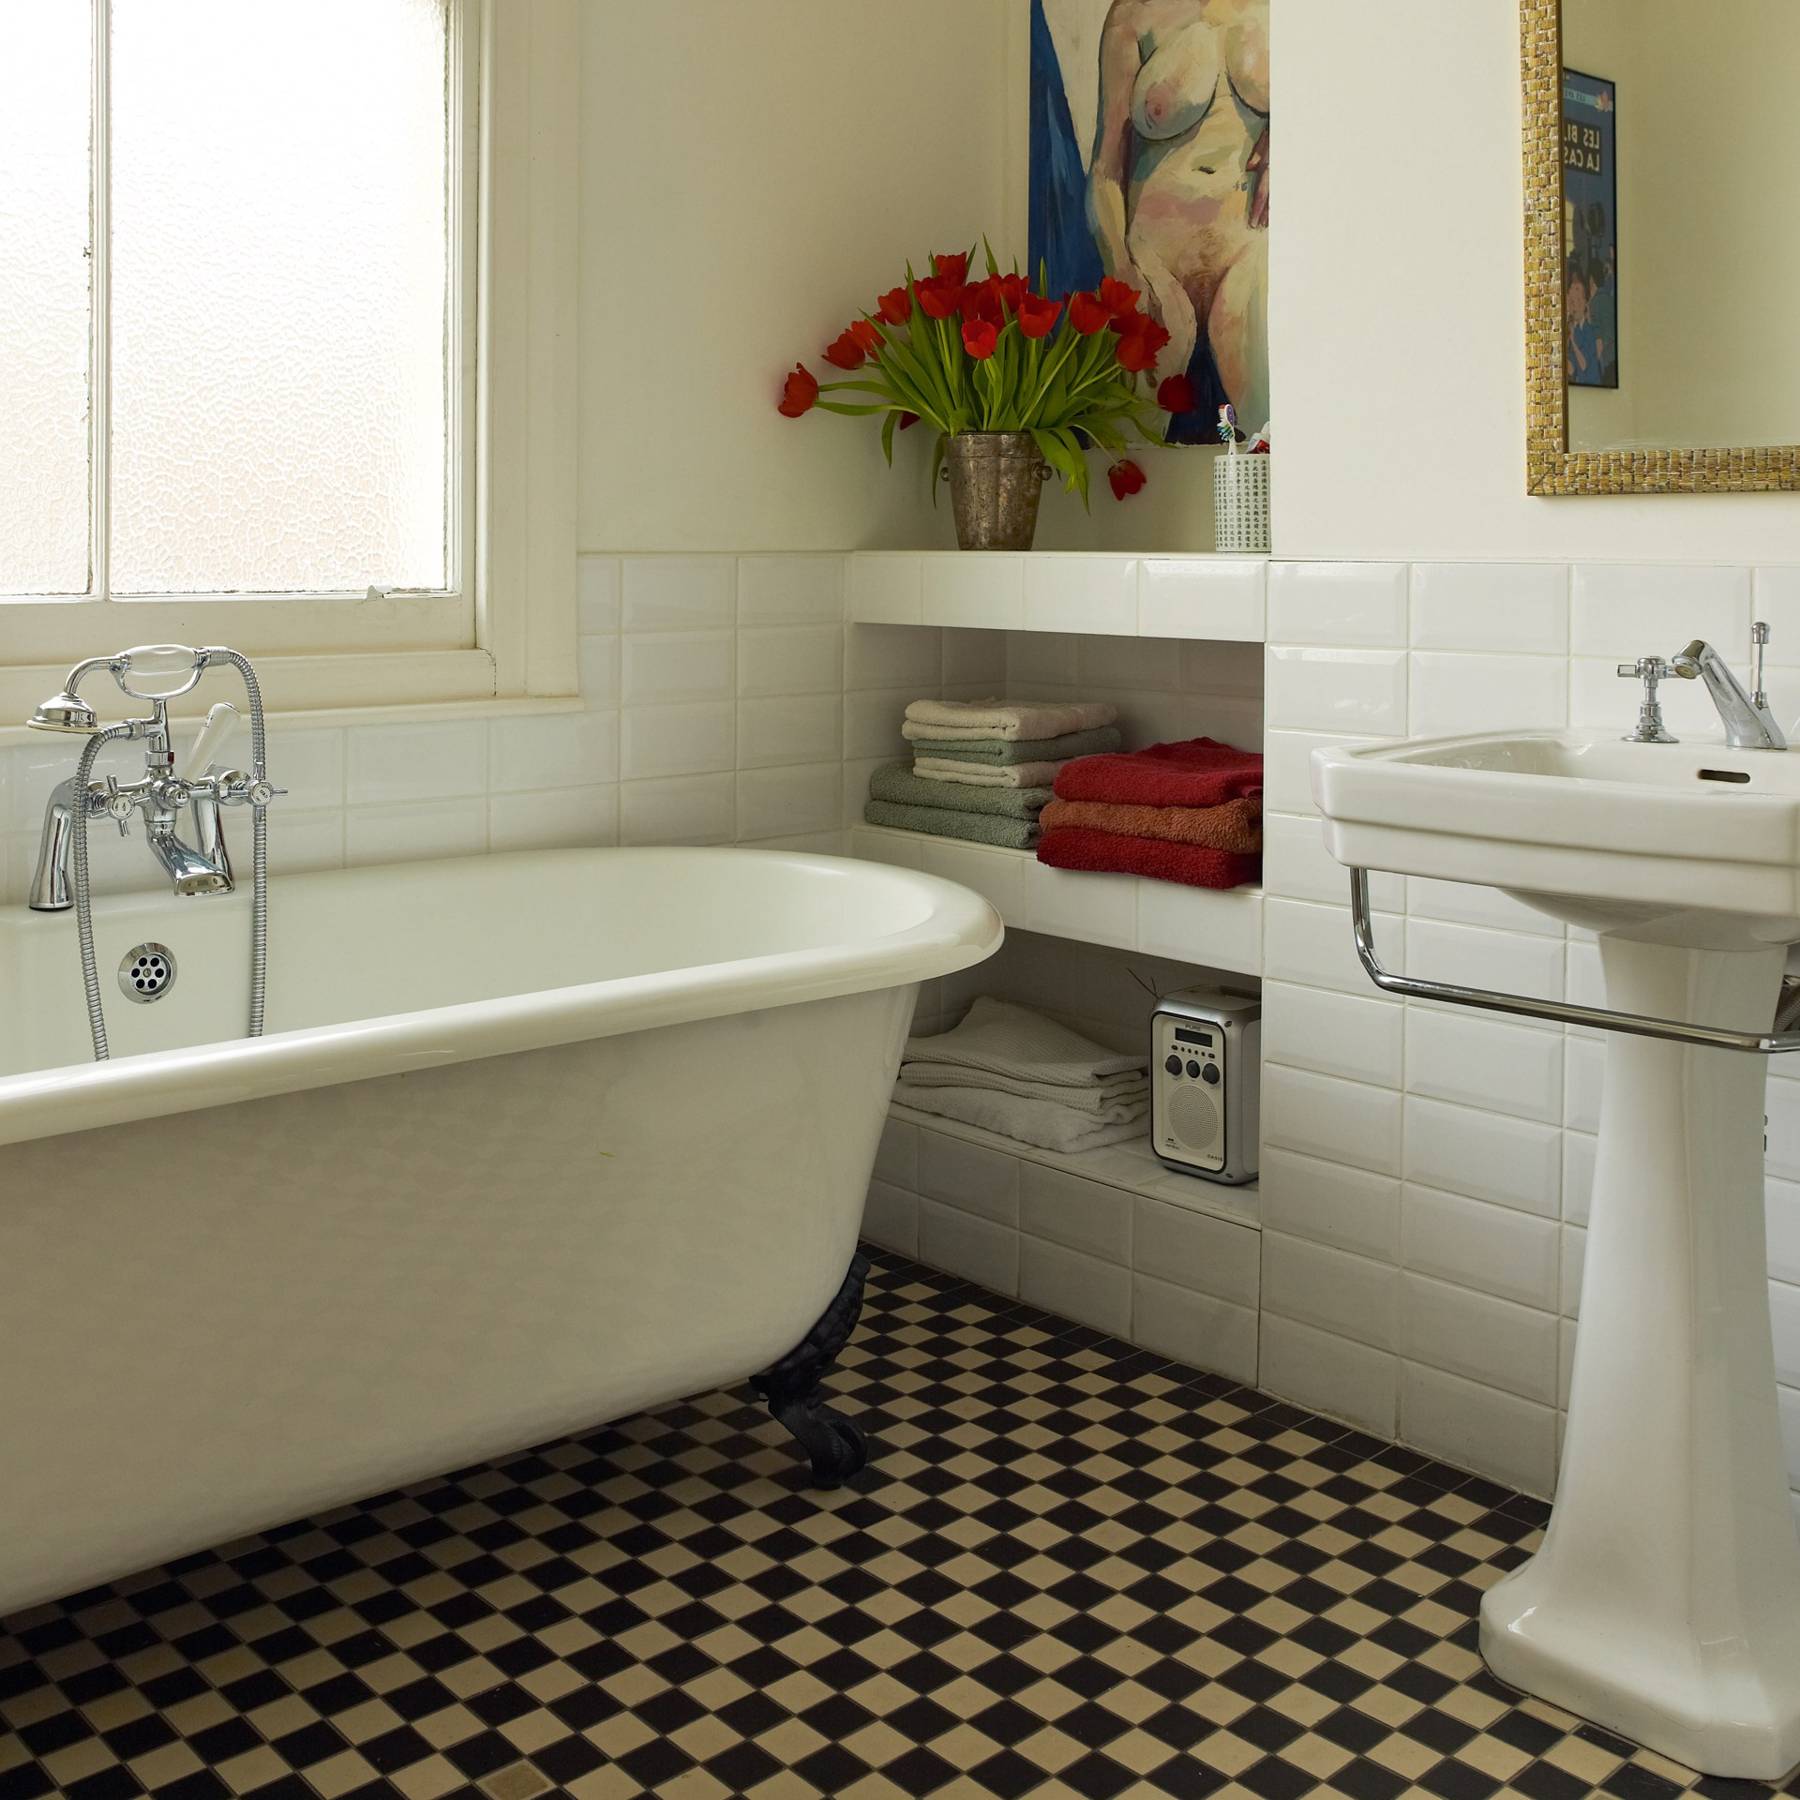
(1236, 826)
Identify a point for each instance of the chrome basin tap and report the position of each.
(1748, 722)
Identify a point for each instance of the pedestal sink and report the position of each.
(1665, 1601)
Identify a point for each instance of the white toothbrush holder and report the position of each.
(1241, 502)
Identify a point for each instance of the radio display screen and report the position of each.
(1185, 1036)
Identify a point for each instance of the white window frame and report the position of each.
(504, 629)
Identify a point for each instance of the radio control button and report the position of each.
(1193, 1070)
(1210, 1074)
(1173, 1065)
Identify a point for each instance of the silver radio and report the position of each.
(1205, 1061)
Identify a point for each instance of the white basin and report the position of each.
(1665, 1601)
(1687, 843)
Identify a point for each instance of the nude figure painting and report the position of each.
(1150, 162)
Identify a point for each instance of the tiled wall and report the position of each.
(712, 712)
(1426, 1172)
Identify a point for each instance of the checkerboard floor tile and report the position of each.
(1073, 1569)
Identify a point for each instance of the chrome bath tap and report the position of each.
(1749, 725)
(156, 674)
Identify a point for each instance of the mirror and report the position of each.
(1660, 354)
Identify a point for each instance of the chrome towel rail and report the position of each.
(1780, 1038)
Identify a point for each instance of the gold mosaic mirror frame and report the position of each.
(1550, 466)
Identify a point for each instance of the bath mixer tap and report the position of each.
(156, 674)
(1748, 722)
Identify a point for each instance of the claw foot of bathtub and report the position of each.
(836, 1445)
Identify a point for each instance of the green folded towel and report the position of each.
(1097, 742)
(940, 821)
(897, 782)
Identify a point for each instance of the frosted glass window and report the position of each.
(45, 101)
(279, 285)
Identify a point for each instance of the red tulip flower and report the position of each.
(953, 269)
(1126, 479)
(1176, 395)
(866, 335)
(1037, 315)
(1088, 313)
(939, 297)
(979, 338)
(895, 306)
(908, 420)
(845, 351)
(1140, 344)
(1118, 299)
(1013, 290)
(800, 394)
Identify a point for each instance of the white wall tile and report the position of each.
(1494, 1341)
(1221, 930)
(1287, 766)
(1362, 692)
(1512, 1161)
(1451, 694)
(790, 590)
(1297, 864)
(1081, 593)
(975, 659)
(302, 841)
(1100, 909)
(1491, 606)
(1144, 665)
(566, 818)
(657, 741)
(679, 593)
(661, 668)
(1074, 1286)
(1481, 1245)
(1191, 1250)
(802, 729)
(897, 1155)
(1513, 962)
(1782, 1103)
(1080, 1215)
(791, 659)
(1482, 1061)
(691, 809)
(783, 803)
(418, 831)
(1309, 943)
(1475, 1427)
(1584, 1066)
(1627, 610)
(1038, 659)
(1330, 1203)
(599, 662)
(997, 878)
(1782, 1212)
(1196, 1329)
(1784, 1311)
(887, 590)
(982, 588)
(970, 1177)
(976, 1249)
(1337, 603)
(309, 764)
(872, 723)
(1467, 903)
(1201, 597)
(390, 763)
(553, 751)
(1330, 1374)
(1333, 1034)
(894, 657)
(1352, 1296)
(891, 1218)
(1578, 1175)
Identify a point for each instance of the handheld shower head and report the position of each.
(64, 712)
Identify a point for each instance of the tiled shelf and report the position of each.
(1219, 598)
(1131, 1166)
(1216, 929)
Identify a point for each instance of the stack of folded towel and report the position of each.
(1016, 1072)
(1188, 812)
(982, 769)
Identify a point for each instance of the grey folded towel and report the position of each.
(942, 821)
(897, 782)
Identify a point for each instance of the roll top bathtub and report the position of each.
(535, 1141)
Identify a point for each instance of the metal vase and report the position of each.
(996, 479)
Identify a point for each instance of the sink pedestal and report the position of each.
(1665, 1602)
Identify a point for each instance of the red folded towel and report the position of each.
(1075, 847)
(1199, 772)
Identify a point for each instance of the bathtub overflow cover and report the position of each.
(147, 972)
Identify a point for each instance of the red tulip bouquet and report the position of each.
(999, 355)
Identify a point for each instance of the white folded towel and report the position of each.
(985, 720)
(1015, 1041)
(1110, 1102)
(999, 775)
(1038, 1122)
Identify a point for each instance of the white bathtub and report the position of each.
(535, 1141)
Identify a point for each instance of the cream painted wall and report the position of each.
(1397, 335)
(750, 175)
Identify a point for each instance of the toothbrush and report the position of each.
(1228, 427)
